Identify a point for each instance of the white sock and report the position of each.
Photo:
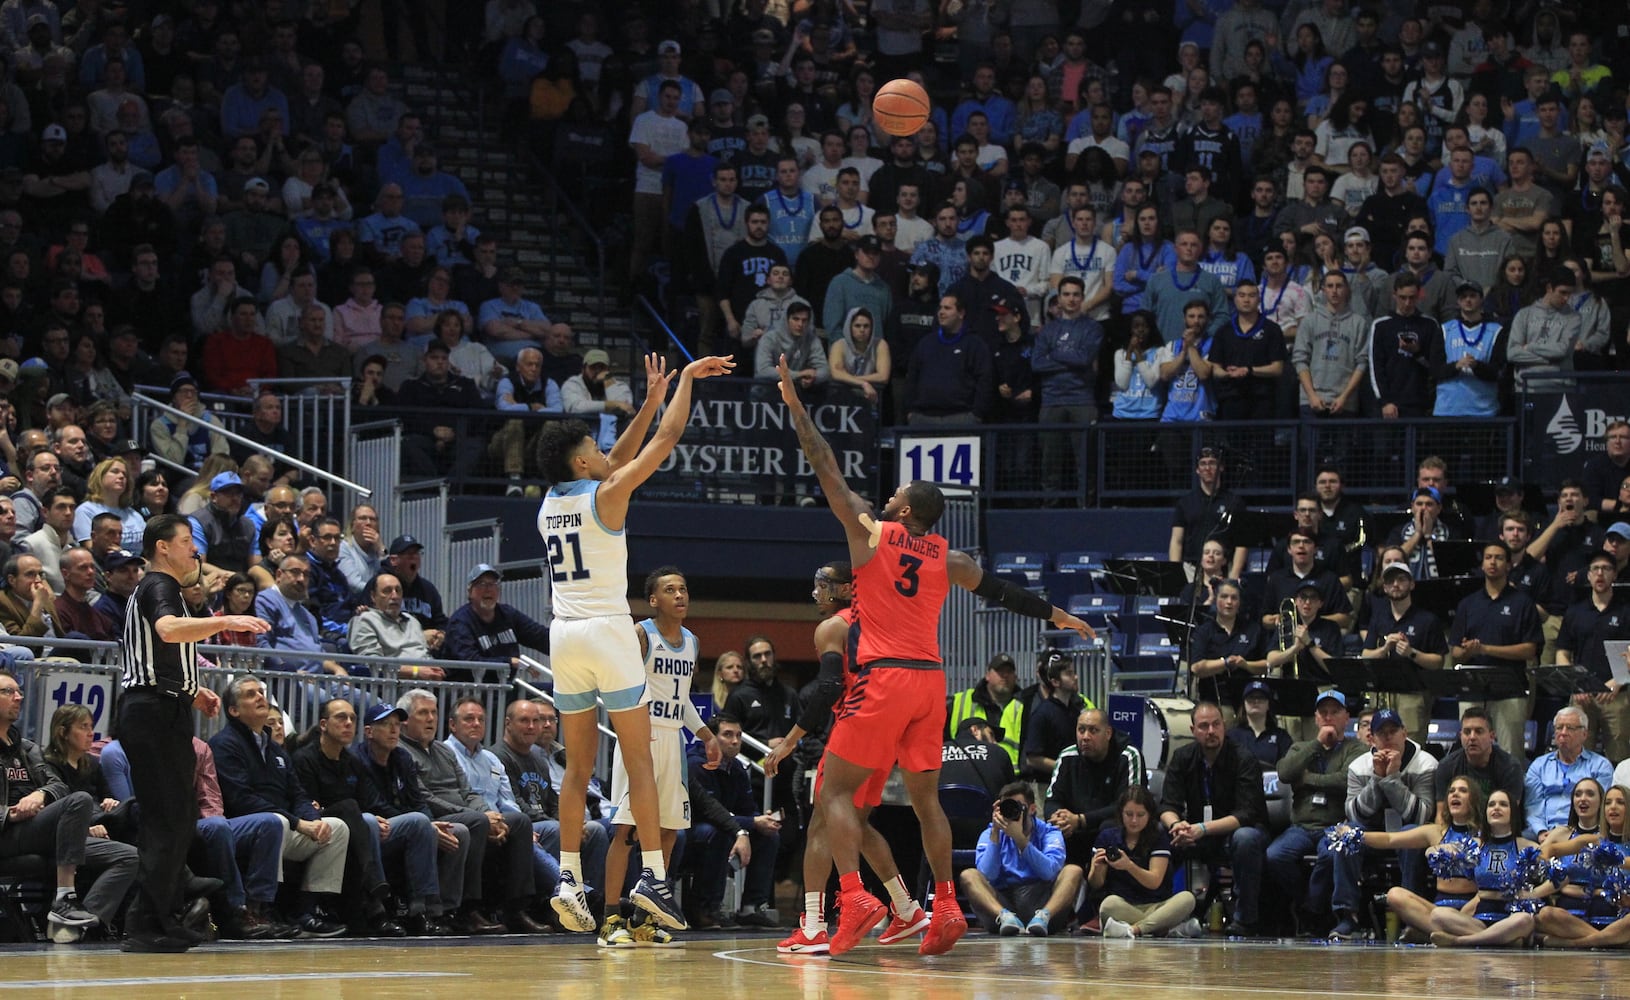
(814, 913)
(571, 863)
(64, 891)
(900, 900)
(653, 863)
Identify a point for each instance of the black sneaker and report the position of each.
(154, 943)
(67, 911)
(313, 926)
(652, 895)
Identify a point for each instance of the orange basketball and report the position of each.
(901, 107)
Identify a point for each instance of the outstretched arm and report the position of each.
(657, 380)
(854, 512)
(965, 573)
(620, 485)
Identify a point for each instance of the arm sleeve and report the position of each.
(828, 686)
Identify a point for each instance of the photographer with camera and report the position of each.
(1020, 882)
(1131, 861)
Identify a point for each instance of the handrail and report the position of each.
(256, 446)
(665, 327)
(177, 466)
(558, 196)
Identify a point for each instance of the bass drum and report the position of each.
(1167, 725)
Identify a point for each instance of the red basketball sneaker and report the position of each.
(799, 943)
(944, 930)
(858, 913)
(901, 928)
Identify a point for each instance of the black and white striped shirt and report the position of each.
(147, 660)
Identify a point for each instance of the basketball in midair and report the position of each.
(901, 107)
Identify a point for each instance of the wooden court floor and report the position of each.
(748, 968)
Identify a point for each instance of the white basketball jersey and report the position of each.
(588, 562)
(668, 672)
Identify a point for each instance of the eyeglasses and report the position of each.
(11, 692)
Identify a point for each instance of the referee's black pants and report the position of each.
(156, 733)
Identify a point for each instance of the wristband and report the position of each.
(743, 833)
(1202, 828)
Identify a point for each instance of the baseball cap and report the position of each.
(403, 543)
(481, 570)
(1432, 50)
(1619, 530)
(1427, 491)
(668, 48)
(60, 399)
(384, 711)
(437, 347)
(1466, 287)
(1307, 585)
(870, 244)
(965, 728)
(1258, 689)
(763, 36)
(121, 557)
(225, 481)
(1383, 718)
(1332, 695)
(758, 121)
(1016, 184)
(1358, 233)
(1598, 152)
(8, 369)
(1000, 306)
(1397, 567)
(512, 276)
(54, 133)
(721, 96)
(256, 184)
(1507, 484)
(181, 381)
(1002, 662)
(128, 445)
(34, 19)
(596, 357)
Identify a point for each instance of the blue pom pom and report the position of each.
(1606, 855)
(1344, 839)
(1446, 862)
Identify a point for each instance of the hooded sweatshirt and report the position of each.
(1329, 347)
(1542, 339)
(768, 311)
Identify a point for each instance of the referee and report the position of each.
(161, 689)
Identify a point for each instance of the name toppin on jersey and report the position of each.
(588, 562)
(668, 673)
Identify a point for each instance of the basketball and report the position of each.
(901, 107)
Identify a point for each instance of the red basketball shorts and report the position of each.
(892, 714)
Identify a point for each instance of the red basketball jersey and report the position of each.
(900, 591)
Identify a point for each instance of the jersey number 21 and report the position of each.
(558, 545)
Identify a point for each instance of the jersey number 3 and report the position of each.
(557, 558)
(909, 581)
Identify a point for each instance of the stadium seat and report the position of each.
(965, 803)
(1080, 562)
(1030, 564)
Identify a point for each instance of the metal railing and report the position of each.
(422, 513)
(640, 301)
(318, 422)
(526, 585)
(374, 460)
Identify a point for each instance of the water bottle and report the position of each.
(1214, 918)
(1392, 927)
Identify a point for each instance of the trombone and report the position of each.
(1287, 630)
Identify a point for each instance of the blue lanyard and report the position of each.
(799, 201)
(1273, 307)
(1079, 264)
(735, 210)
(1192, 281)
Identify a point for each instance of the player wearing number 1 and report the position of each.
(895, 708)
(593, 648)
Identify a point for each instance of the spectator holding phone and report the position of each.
(1132, 863)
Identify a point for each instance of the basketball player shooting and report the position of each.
(593, 648)
(895, 710)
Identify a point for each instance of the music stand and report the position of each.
(1474, 682)
(1566, 681)
(1174, 618)
(1479, 497)
(1444, 594)
(1375, 674)
(1459, 558)
(1378, 524)
(1257, 529)
(1293, 699)
(1151, 577)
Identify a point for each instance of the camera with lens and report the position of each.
(1010, 809)
(1112, 853)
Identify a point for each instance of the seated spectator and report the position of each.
(489, 781)
(467, 358)
(235, 355)
(1476, 756)
(294, 627)
(1315, 770)
(424, 311)
(104, 541)
(487, 630)
(284, 315)
(373, 113)
(452, 241)
(299, 189)
(42, 472)
(1131, 863)
(278, 537)
(729, 825)
(185, 187)
(432, 447)
(524, 391)
(510, 323)
(243, 103)
(1548, 786)
(420, 597)
(182, 442)
(1020, 882)
(595, 389)
(76, 617)
(257, 776)
(122, 570)
(342, 788)
(425, 187)
(451, 800)
(403, 794)
(109, 490)
(314, 357)
(1213, 777)
(50, 820)
(477, 283)
(399, 359)
(225, 539)
(1052, 722)
(115, 175)
(1257, 731)
(321, 226)
(1089, 782)
(237, 598)
(383, 629)
(362, 550)
(253, 227)
(356, 321)
(383, 231)
(54, 538)
(27, 600)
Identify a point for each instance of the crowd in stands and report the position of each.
(1229, 210)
